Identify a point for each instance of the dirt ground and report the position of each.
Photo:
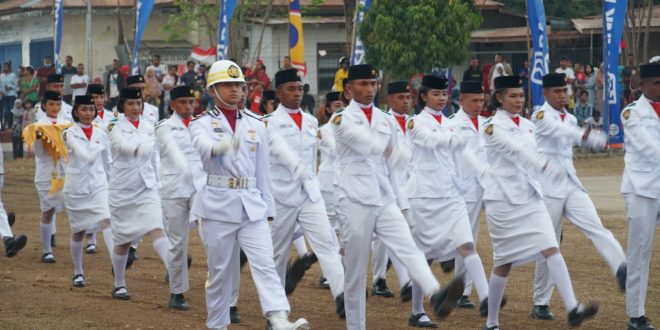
(40, 296)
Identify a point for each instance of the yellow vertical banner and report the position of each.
(296, 40)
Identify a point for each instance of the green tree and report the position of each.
(404, 38)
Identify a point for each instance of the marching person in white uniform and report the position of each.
(180, 173)
(104, 116)
(442, 227)
(55, 83)
(556, 133)
(135, 206)
(86, 185)
(641, 188)
(519, 224)
(236, 201)
(13, 244)
(367, 150)
(466, 123)
(150, 112)
(292, 137)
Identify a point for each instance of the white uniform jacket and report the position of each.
(641, 127)
(514, 166)
(104, 122)
(45, 166)
(89, 161)
(249, 160)
(466, 178)
(293, 157)
(150, 113)
(402, 175)
(180, 170)
(63, 116)
(126, 141)
(327, 173)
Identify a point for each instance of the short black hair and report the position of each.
(583, 92)
(74, 111)
(420, 102)
(157, 56)
(190, 62)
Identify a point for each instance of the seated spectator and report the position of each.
(308, 103)
(595, 121)
(583, 109)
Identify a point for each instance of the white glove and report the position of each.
(457, 142)
(597, 140)
(223, 147)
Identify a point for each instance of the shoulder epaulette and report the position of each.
(385, 112)
(452, 116)
(340, 110)
(199, 116)
(488, 120)
(631, 104)
(95, 124)
(250, 114)
(160, 122)
(267, 116)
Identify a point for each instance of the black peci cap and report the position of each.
(434, 82)
(83, 100)
(554, 80)
(130, 93)
(269, 94)
(362, 71)
(397, 87)
(55, 78)
(332, 97)
(97, 89)
(181, 91)
(471, 87)
(52, 96)
(651, 70)
(502, 82)
(286, 76)
(136, 79)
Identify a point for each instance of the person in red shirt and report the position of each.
(43, 73)
(259, 75)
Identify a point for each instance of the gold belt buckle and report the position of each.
(231, 183)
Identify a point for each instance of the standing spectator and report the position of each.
(114, 82)
(160, 69)
(564, 67)
(590, 84)
(498, 71)
(580, 75)
(43, 72)
(8, 88)
(68, 71)
(79, 82)
(486, 77)
(29, 114)
(595, 121)
(286, 64)
(626, 75)
(170, 81)
(151, 87)
(524, 80)
(200, 79)
(259, 75)
(188, 78)
(507, 67)
(17, 129)
(599, 87)
(473, 72)
(30, 86)
(308, 103)
(498, 60)
(582, 108)
(341, 74)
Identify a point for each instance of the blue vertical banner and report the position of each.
(58, 12)
(540, 58)
(358, 50)
(614, 15)
(226, 12)
(142, 11)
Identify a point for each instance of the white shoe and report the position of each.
(280, 321)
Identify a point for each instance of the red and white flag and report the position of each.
(206, 56)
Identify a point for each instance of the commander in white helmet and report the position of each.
(236, 201)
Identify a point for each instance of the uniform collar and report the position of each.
(432, 112)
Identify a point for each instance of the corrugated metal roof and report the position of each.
(595, 23)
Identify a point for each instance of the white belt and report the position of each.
(231, 182)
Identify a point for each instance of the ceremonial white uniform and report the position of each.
(86, 184)
(5, 229)
(367, 152)
(641, 186)
(108, 116)
(180, 172)
(565, 195)
(45, 169)
(234, 205)
(327, 173)
(298, 196)
(150, 113)
(518, 221)
(135, 206)
(63, 116)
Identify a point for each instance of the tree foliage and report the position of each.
(404, 38)
(565, 8)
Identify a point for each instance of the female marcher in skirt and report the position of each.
(86, 184)
(519, 224)
(135, 207)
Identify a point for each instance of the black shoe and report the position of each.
(542, 312)
(132, 256)
(294, 274)
(466, 303)
(244, 259)
(79, 281)
(310, 259)
(14, 244)
(621, 275)
(234, 316)
(444, 301)
(90, 249)
(189, 262)
(640, 323)
(495, 327)
(48, 258)
(448, 266)
(414, 321)
(323, 282)
(11, 218)
(167, 277)
(483, 306)
(120, 296)
(389, 264)
(178, 302)
(581, 313)
(380, 289)
(339, 306)
(406, 292)
(53, 241)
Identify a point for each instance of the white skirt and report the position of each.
(87, 211)
(441, 226)
(519, 232)
(133, 218)
(48, 201)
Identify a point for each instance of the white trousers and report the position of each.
(578, 208)
(379, 256)
(5, 230)
(313, 219)
(254, 238)
(176, 218)
(359, 223)
(643, 216)
(474, 213)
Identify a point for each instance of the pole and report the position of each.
(529, 47)
(90, 69)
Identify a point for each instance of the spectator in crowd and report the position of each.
(580, 75)
(151, 87)
(626, 75)
(268, 103)
(308, 103)
(8, 90)
(68, 71)
(473, 72)
(599, 87)
(486, 77)
(565, 68)
(189, 77)
(497, 60)
(126, 71)
(160, 69)
(43, 72)
(524, 80)
(97, 80)
(497, 71)
(114, 82)
(595, 121)
(170, 81)
(29, 114)
(590, 84)
(286, 63)
(583, 109)
(341, 74)
(79, 82)
(200, 79)
(17, 129)
(259, 75)
(30, 86)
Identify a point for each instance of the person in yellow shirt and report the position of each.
(341, 74)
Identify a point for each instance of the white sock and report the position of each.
(134, 243)
(77, 256)
(91, 239)
(495, 292)
(46, 232)
(119, 265)
(559, 273)
(417, 299)
(53, 222)
(162, 246)
(301, 247)
(107, 238)
(476, 272)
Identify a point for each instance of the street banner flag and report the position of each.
(614, 15)
(358, 50)
(206, 56)
(296, 40)
(540, 57)
(58, 12)
(142, 11)
(226, 12)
